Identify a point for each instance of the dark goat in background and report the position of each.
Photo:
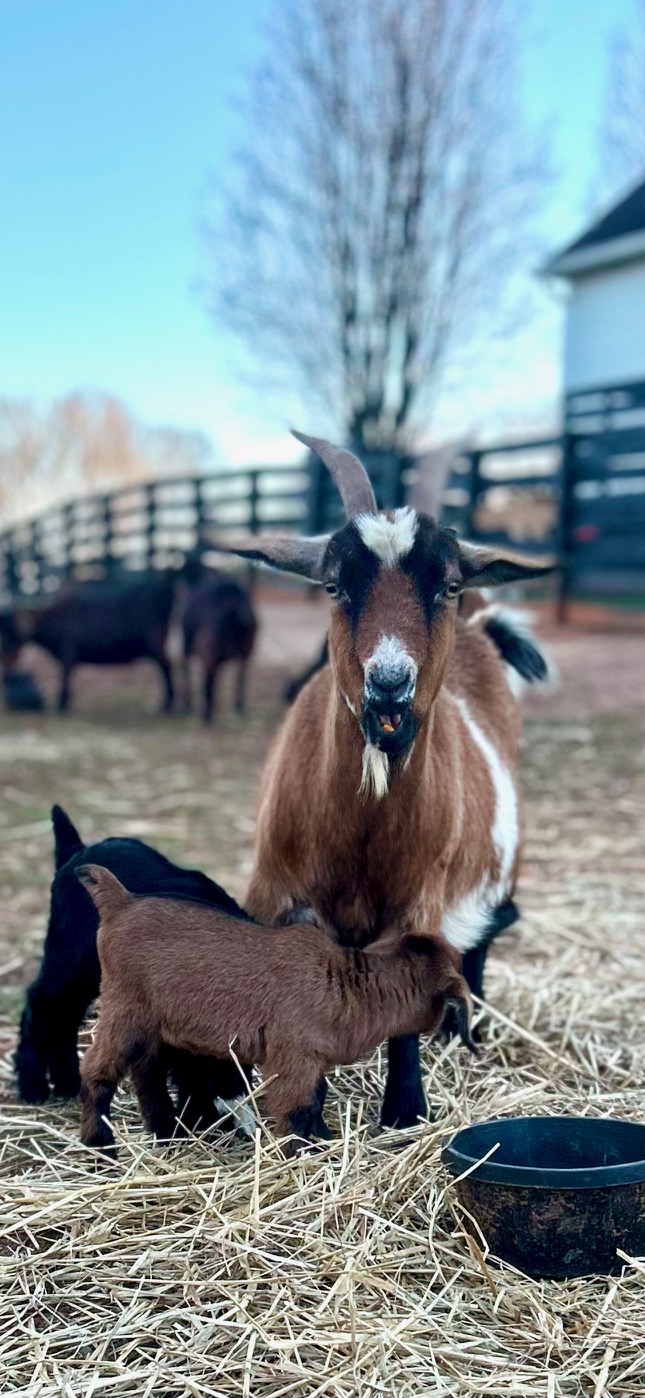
(69, 976)
(109, 623)
(219, 624)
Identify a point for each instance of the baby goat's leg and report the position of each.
(148, 1072)
(191, 1077)
(292, 1098)
(101, 1072)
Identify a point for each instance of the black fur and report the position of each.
(69, 976)
(517, 649)
(404, 1100)
(67, 840)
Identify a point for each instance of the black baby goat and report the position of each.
(69, 976)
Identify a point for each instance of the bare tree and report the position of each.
(85, 441)
(622, 129)
(380, 203)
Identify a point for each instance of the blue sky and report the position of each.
(112, 114)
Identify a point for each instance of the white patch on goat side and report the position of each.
(376, 772)
(515, 682)
(351, 707)
(388, 539)
(391, 659)
(464, 924)
(239, 1108)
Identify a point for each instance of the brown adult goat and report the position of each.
(184, 975)
(388, 800)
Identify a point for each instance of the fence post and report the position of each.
(11, 568)
(474, 484)
(108, 534)
(317, 483)
(198, 501)
(150, 524)
(565, 529)
(254, 524)
(69, 533)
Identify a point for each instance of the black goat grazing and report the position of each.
(219, 624)
(292, 689)
(69, 976)
(107, 623)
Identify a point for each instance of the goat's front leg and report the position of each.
(404, 1099)
(292, 1097)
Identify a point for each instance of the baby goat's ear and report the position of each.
(302, 556)
(486, 567)
(460, 1002)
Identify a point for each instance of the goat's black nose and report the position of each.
(386, 691)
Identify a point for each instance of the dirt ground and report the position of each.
(565, 1023)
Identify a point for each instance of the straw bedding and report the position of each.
(219, 1268)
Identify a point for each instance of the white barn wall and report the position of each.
(605, 329)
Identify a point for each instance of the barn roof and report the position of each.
(619, 236)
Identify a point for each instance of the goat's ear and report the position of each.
(302, 556)
(486, 567)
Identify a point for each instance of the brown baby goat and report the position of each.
(183, 974)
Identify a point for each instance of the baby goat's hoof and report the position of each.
(102, 1141)
(33, 1086)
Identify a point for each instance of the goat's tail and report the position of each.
(108, 895)
(67, 840)
(510, 631)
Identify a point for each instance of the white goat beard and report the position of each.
(376, 772)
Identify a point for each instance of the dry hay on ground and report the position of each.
(218, 1268)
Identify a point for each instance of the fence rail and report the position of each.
(578, 499)
(148, 526)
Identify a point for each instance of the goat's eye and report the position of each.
(332, 589)
(452, 589)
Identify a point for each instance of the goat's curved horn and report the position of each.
(348, 472)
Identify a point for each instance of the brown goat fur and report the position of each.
(289, 999)
(426, 844)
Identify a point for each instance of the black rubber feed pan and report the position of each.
(559, 1194)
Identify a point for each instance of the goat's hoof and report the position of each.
(103, 1142)
(401, 1115)
(320, 1130)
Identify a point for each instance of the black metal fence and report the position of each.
(602, 536)
(579, 499)
(148, 526)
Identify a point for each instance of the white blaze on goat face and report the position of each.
(464, 924)
(389, 539)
